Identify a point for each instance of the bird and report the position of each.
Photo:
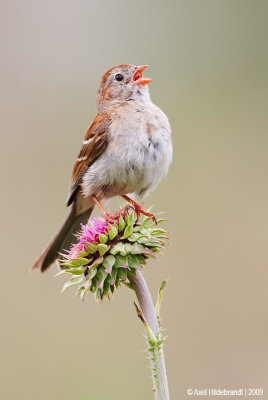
(126, 151)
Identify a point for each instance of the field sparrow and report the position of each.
(126, 151)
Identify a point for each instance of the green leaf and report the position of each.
(123, 252)
(117, 248)
(121, 224)
(112, 232)
(143, 224)
(106, 287)
(77, 271)
(108, 263)
(100, 277)
(146, 240)
(165, 238)
(138, 248)
(135, 236)
(153, 244)
(62, 272)
(128, 284)
(117, 281)
(132, 218)
(93, 286)
(145, 232)
(140, 258)
(163, 284)
(83, 253)
(122, 273)
(103, 248)
(92, 272)
(158, 221)
(132, 271)
(103, 238)
(120, 260)
(84, 261)
(81, 292)
(73, 262)
(112, 278)
(133, 261)
(64, 265)
(96, 262)
(128, 231)
(91, 248)
(72, 282)
(128, 248)
(157, 231)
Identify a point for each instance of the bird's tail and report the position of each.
(63, 238)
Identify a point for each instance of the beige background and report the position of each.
(209, 68)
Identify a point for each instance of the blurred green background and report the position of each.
(209, 64)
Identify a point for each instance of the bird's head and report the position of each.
(123, 83)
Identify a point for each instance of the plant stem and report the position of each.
(155, 348)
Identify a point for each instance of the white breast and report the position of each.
(138, 154)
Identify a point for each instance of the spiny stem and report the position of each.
(148, 316)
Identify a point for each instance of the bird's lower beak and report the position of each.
(137, 77)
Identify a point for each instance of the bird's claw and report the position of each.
(139, 210)
(111, 218)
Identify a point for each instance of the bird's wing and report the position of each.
(95, 142)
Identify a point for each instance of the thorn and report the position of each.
(139, 313)
(149, 331)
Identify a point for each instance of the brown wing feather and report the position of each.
(95, 142)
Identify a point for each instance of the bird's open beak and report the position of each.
(137, 77)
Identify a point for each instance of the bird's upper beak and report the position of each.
(137, 76)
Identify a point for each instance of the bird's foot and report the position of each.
(139, 210)
(111, 218)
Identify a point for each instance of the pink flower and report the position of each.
(88, 234)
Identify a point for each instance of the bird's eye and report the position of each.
(119, 77)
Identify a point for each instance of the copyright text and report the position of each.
(225, 392)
